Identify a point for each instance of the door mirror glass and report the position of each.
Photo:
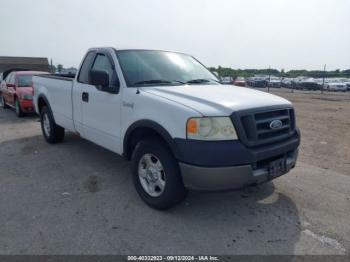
(100, 79)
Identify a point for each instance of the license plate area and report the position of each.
(277, 167)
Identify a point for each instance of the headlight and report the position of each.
(211, 129)
(27, 97)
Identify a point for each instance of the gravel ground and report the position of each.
(324, 121)
(78, 198)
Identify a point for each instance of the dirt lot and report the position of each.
(77, 198)
(324, 121)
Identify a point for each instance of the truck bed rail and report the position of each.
(66, 77)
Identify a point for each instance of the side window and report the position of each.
(85, 68)
(103, 63)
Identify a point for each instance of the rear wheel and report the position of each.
(156, 175)
(52, 132)
(18, 109)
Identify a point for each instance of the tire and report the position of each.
(51, 132)
(4, 105)
(18, 109)
(173, 189)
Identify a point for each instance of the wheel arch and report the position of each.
(43, 101)
(142, 129)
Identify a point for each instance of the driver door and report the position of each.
(101, 109)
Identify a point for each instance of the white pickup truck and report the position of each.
(167, 113)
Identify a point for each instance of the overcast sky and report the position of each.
(289, 34)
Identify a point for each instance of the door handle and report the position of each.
(85, 96)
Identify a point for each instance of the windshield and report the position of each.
(24, 81)
(148, 67)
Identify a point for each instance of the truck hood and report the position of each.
(217, 100)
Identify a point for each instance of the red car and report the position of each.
(240, 81)
(17, 91)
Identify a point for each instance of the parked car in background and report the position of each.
(346, 81)
(257, 81)
(5, 73)
(319, 81)
(227, 80)
(240, 81)
(286, 82)
(333, 84)
(309, 84)
(17, 91)
(296, 82)
(274, 81)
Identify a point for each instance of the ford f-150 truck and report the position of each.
(171, 117)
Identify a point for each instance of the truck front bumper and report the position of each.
(231, 177)
(216, 166)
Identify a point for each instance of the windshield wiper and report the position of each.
(157, 81)
(200, 81)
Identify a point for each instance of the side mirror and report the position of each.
(100, 79)
(11, 85)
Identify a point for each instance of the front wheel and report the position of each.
(156, 175)
(52, 132)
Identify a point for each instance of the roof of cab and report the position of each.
(131, 49)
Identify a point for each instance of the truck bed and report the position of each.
(58, 90)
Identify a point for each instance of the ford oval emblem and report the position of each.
(276, 124)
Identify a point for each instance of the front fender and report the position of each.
(159, 129)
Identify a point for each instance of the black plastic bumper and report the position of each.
(231, 177)
(230, 153)
(216, 166)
